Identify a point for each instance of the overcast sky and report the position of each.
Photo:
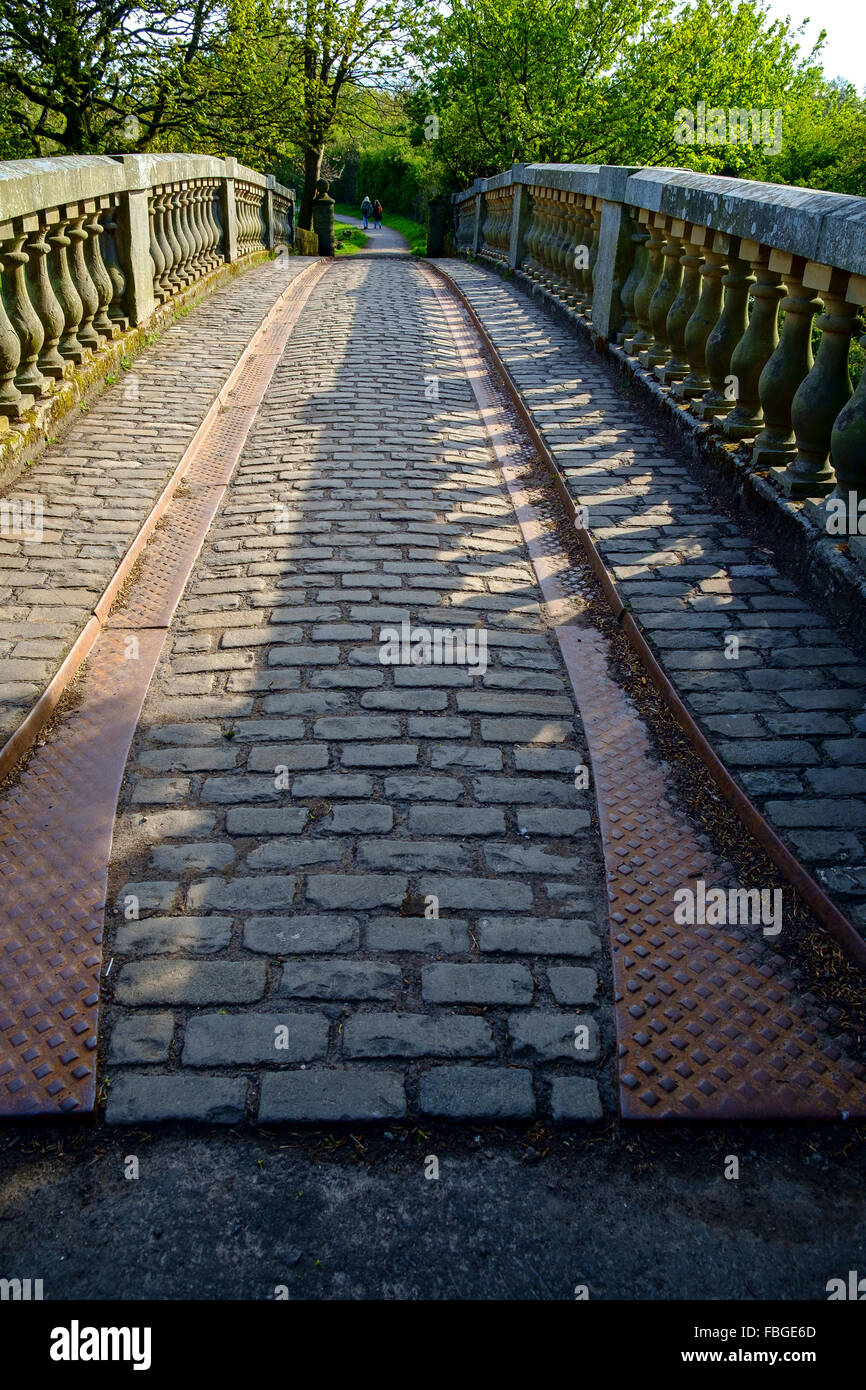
(845, 22)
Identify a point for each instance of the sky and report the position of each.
(845, 21)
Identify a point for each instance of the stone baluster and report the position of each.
(583, 227)
(706, 312)
(11, 400)
(848, 441)
(196, 218)
(824, 393)
(210, 228)
(158, 251)
(551, 279)
(645, 291)
(184, 269)
(65, 291)
(213, 233)
(658, 351)
(572, 240)
(85, 331)
(22, 315)
(44, 301)
(240, 206)
(117, 305)
(548, 247)
(215, 212)
(98, 274)
(540, 273)
(789, 364)
(639, 237)
(731, 325)
(246, 222)
(169, 244)
(677, 366)
(189, 236)
(757, 344)
(563, 248)
(527, 262)
(174, 273)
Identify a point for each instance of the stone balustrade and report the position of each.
(90, 245)
(715, 287)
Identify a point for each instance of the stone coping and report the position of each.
(29, 185)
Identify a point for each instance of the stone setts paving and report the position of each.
(349, 889)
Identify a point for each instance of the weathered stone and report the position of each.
(477, 1093)
(417, 1035)
(340, 979)
(237, 1040)
(476, 984)
(331, 1096)
(149, 1099)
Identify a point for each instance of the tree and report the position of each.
(84, 76)
(345, 47)
(602, 81)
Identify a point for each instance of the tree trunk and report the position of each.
(312, 169)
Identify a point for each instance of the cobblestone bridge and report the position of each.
(370, 785)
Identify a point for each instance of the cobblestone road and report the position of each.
(787, 714)
(297, 811)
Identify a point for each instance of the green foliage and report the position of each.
(399, 179)
(83, 78)
(348, 241)
(608, 81)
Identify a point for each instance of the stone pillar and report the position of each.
(519, 217)
(270, 223)
(436, 227)
(323, 218)
(611, 270)
(134, 222)
(476, 229)
(229, 211)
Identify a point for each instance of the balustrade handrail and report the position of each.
(713, 285)
(91, 244)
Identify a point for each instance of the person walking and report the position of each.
(377, 214)
(366, 212)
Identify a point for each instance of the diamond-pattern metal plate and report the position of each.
(709, 1026)
(55, 843)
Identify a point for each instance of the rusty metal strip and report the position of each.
(56, 821)
(793, 871)
(708, 1025)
